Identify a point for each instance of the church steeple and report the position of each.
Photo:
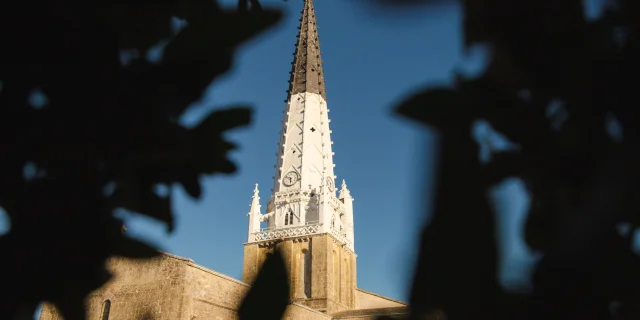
(304, 191)
(304, 217)
(307, 74)
(305, 159)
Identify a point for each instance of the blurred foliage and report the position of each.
(107, 134)
(85, 132)
(554, 82)
(269, 294)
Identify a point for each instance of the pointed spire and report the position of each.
(256, 195)
(254, 214)
(255, 202)
(307, 74)
(344, 192)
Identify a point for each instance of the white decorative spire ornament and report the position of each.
(254, 213)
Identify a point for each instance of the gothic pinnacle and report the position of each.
(255, 202)
(255, 193)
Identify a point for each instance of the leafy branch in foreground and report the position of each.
(555, 84)
(85, 132)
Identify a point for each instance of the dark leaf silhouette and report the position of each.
(269, 294)
(104, 132)
(132, 248)
(440, 102)
(554, 82)
(72, 307)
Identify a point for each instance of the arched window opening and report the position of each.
(106, 309)
(286, 219)
(290, 216)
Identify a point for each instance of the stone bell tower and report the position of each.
(304, 218)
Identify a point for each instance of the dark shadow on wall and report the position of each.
(149, 316)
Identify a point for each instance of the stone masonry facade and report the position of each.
(328, 285)
(175, 288)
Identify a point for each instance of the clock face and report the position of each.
(290, 178)
(330, 184)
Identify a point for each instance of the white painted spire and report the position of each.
(304, 193)
(347, 201)
(304, 157)
(254, 213)
(344, 192)
(255, 199)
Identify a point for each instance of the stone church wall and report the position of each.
(213, 295)
(142, 288)
(369, 300)
(175, 288)
(139, 289)
(299, 312)
(398, 313)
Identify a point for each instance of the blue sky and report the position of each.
(371, 61)
(369, 64)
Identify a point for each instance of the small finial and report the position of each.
(255, 192)
(344, 184)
